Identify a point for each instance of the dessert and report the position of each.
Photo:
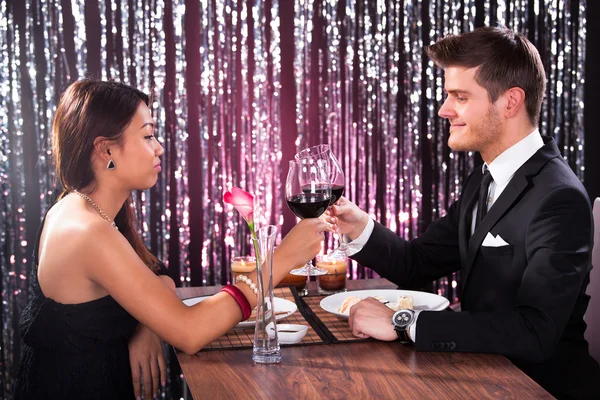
(404, 302)
(348, 303)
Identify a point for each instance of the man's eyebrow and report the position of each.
(147, 123)
(457, 91)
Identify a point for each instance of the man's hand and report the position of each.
(147, 362)
(347, 217)
(372, 318)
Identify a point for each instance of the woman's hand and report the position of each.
(347, 218)
(147, 362)
(303, 242)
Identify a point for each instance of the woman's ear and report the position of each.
(102, 148)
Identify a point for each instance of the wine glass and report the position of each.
(308, 193)
(337, 179)
(336, 174)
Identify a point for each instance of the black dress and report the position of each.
(74, 351)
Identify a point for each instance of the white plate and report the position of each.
(421, 300)
(288, 333)
(283, 306)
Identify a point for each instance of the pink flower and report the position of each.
(243, 202)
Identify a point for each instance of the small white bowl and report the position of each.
(288, 333)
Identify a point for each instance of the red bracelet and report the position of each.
(239, 297)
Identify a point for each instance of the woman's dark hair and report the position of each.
(505, 59)
(89, 109)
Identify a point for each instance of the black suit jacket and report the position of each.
(525, 300)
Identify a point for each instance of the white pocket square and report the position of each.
(491, 241)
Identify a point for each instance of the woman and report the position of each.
(92, 283)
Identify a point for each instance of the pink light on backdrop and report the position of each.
(238, 88)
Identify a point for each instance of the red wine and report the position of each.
(337, 191)
(308, 205)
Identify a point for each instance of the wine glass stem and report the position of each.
(342, 245)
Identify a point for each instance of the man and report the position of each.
(520, 233)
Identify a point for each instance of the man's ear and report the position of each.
(515, 101)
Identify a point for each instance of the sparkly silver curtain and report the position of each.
(237, 88)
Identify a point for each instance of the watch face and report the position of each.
(403, 318)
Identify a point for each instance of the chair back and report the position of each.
(592, 315)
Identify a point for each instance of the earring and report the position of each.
(111, 164)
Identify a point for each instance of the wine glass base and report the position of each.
(330, 292)
(266, 357)
(313, 271)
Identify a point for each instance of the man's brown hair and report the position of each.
(505, 59)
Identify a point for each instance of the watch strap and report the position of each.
(403, 335)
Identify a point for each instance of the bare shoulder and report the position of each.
(110, 255)
(69, 250)
(78, 236)
(100, 251)
(102, 244)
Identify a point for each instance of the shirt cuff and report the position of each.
(357, 244)
(412, 330)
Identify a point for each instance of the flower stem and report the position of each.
(259, 277)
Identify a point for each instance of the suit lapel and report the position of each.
(508, 197)
(519, 183)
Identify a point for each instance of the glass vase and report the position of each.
(266, 348)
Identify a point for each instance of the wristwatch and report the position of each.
(402, 320)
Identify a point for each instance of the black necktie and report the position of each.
(483, 197)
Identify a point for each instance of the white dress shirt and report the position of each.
(502, 169)
(504, 166)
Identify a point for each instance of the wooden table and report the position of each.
(378, 370)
